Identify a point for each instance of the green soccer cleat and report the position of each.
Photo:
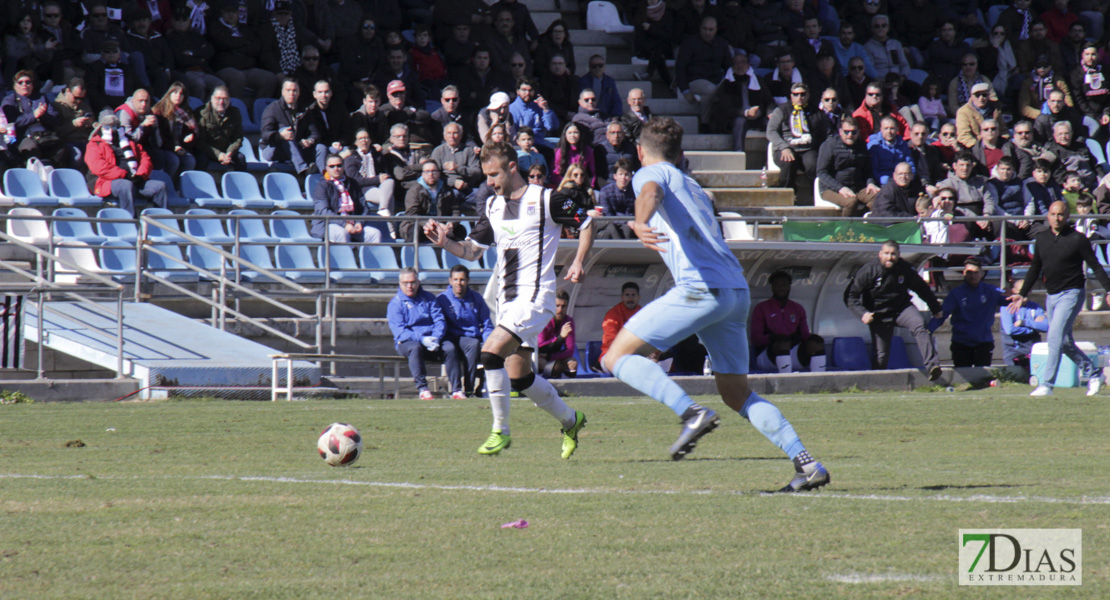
(570, 436)
(495, 443)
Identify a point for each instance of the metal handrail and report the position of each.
(42, 286)
(146, 244)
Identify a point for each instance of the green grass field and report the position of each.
(215, 499)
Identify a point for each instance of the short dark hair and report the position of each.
(663, 136)
(892, 244)
(624, 164)
(562, 295)
(848, 120)
(526, 80)
(461, 269)
(973, 261)
(1042, 164)
(1009, 161)
(780, 275)
(964, 155)
(630, 285)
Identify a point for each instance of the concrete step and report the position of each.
(534, 6)
(740, 199)
(706, 142)
(599, 38)
(544, 18)
(716, 161)
(677, 106)
(731, 178)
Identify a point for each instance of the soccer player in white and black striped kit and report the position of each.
(525, 224)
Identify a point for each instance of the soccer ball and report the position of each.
(340, 445)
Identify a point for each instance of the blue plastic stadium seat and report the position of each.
(259, 107)
(283, 190)
(374, 256)
(899, 358)
(76, 231)
(125, 232)
(255, 162)
(850, 354)
(71, 189)
(429, 267)
(296, 261)
(176, 200)
(118, 260)
(344, 267)
(251, 228)
(250, 125)
(260, 256)
(242, 190)
(205, 259)
(26, 189)
(479, 275)
(157, 233)
(310, 184)
(290, 230)
(171, 268)
(593, 354)
(210, 230)
(584, 370)
(200, 188)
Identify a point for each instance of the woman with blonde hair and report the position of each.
(575, 187)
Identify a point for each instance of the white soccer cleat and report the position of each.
(1094, 384)
(1042, 390)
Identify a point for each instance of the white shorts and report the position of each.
(524, 319)
(766, 363)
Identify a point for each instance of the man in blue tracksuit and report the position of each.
(1021, 330)
(418, 327)
(972, 306)
(468, 325)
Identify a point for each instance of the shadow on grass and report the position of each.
(942, 488)
(707, 459)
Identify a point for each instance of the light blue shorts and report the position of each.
(718, 316)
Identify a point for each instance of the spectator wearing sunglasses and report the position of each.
(970, 116)
(604, 87)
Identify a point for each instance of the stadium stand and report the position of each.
(75, 231)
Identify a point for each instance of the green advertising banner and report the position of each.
(850, 231)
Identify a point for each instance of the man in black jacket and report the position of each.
(898, 197)
(285, 132)
(844, 170)
(879, 294)
(1060, 254)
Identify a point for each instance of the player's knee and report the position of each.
(780, 346)
(520, 384)
(816, 345)
(491, 361)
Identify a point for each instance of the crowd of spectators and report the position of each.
(873, 105)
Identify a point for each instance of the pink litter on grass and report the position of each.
(521, 524)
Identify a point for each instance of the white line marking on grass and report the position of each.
(820, 495)
(884, 578)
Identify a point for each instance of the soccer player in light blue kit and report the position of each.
(710, 298)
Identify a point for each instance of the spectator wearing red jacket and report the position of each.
(873, 109)
(122, 168)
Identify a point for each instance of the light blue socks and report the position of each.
(768, 419)
(646, 376)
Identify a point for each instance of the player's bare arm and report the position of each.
(437, 233)
(651, 196)
(585, 242)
